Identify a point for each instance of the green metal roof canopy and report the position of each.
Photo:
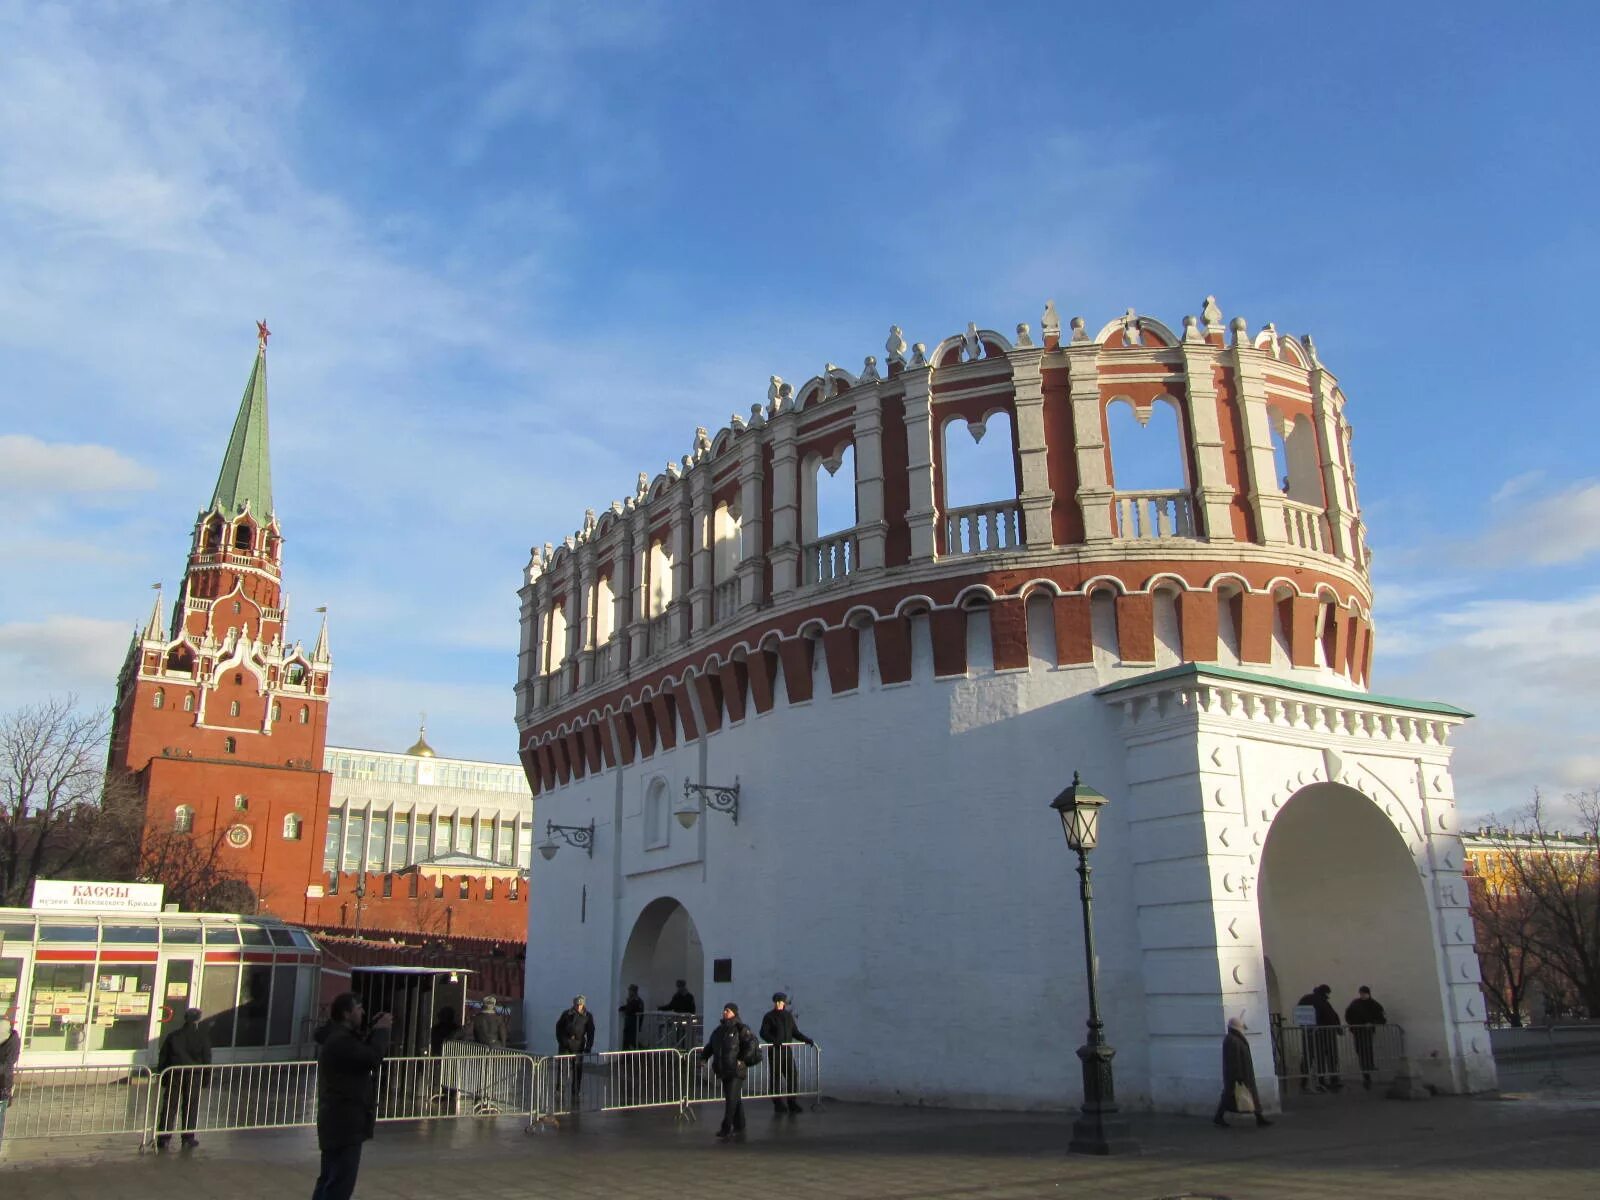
(246, 476)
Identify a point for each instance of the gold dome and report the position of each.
(421, 749)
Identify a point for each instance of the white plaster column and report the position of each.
(1213, 494)
(1036, 498)
(527, 645)
(1089, 442)
(1336, 484)
(702, 537)
(1261, 468)
(621, 595)
(752, 520)
(924, 506)
(679, 609)
(785, 556)
(638, 556)
(586, 598)
(872, 530)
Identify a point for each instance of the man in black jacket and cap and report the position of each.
(347, 1092)
(1361, 1015)
(732, 1050)
(1320, 1055)
(575, 1036)
(778, 1028)
(186, 1046)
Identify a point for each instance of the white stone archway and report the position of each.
(1342, 902)
(663, 946)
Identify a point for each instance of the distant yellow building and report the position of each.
(1491, 853)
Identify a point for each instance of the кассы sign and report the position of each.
(75, 895)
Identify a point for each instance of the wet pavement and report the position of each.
(1536, 1140)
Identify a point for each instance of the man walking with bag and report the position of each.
(1238, 1077)
(778, 1028)
(347, 1092)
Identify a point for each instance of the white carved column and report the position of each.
(639, 563)
(752, 520)
(1336, 483)
(1213, 493)
(1089, 441)
(785, 556)
(702, 536)
(1036, 498)
(678, 610)
(1261, 468)
(586, 600)
(621, 595)
(872, 530)
(923, 510)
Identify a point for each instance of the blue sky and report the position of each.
(514, 254)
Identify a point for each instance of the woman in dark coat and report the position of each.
(1238, 1067)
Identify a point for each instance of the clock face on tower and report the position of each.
(239, 836)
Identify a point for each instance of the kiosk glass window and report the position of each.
(280, 1029)
(219, 985)
(123, 994)
(124, 935)
(181, 935)
(224, 934)
(10, 984)
(255, 991)
(255, 935)
(60, 1011)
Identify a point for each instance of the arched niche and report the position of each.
(663, 946)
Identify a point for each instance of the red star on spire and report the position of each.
(263, 333)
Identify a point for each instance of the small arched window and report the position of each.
(657, 828)
(183, 819)
(236, 608)
(277, 711)
(233, 708)
(241, 537)
(159, 700)
(291, 827)
(230, 745)
(188, 702)
(305, 714)
(295, 675)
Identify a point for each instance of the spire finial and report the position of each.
(262, 334)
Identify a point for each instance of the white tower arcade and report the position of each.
(901, 678)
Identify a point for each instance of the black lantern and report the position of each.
(1079, 808)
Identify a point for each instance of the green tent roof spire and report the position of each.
(246, 476)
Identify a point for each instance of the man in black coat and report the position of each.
(185, 1046)
(1361, 1015)
(1238, 1070)
(778, 1028)
(347, 1092)
(732, 1050)
(1320, 1055)
(632, 1009)
(575, 1036)
(682, 1001)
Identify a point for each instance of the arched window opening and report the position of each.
(1230, 609)
(657, 810)
(829, 494)
(1282, 622)
(183, 819)
(555, 650)
(1149, 469)
(305, 714)
(1294, 454)
(604, 609)
(233, 708)
(211, 537)
(725, 551)
(242, 536)
(230, 745)
(658, 566)
(277, 711)
(1103, 628)
(1327, 633)
(159, 700)
(1168, 632)
(188, 702)
(295, 675)
(180, 659)
(979, 470)
(291, 827)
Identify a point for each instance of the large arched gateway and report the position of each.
(663, 947)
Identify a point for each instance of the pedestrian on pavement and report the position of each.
(185, 1046)
(1238, 1073)
(10, 1051)
(1319, 1056)
(488, 1026)
(631, 1009)
(778, 1029)
(1362, 1014)
(575, 1036)
(347, 1092)
(731, 1051)
(445, 1029)
(682, 1001)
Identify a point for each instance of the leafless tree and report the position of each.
(190, 865)
(1508, 954)
(53, 796)
(1555, 875)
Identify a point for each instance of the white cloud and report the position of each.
(61, 655)
(28, 464)
(1550, 530)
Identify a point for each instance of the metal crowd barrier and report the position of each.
(670, 1031)
(1317, 1058)
(641, 1079)
(789, 1071)
(493, 1080)
(49, 1102)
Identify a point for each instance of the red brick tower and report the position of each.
(220, 721)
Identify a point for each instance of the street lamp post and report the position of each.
(361, 899)
(1099, 1128)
